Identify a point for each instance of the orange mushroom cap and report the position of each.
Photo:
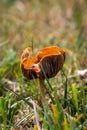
(50, 58)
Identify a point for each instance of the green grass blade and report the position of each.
(75, 97)
(65, 124)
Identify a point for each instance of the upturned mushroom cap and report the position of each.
(25, 53)
(49, 61)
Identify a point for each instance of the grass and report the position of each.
(65, 103)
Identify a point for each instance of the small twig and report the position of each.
(36, 115)
(70, 117)
(72, 76)
(32, 46)
(24, 118)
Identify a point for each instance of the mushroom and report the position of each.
(47, 63)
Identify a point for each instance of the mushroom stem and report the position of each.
(42, 90)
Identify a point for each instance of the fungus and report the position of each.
(49, 59)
